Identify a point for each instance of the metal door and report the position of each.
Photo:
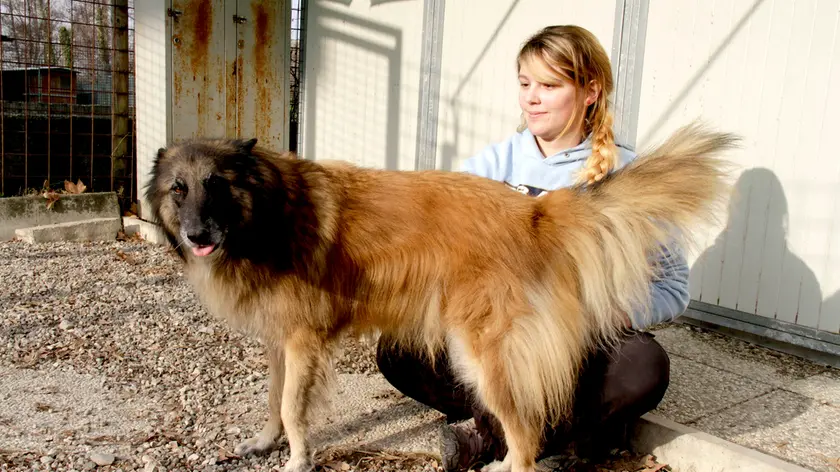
(230, 69)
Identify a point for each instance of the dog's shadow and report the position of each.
(396, 424)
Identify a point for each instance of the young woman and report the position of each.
(565, 138)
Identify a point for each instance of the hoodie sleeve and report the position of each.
(487, 163)
(669, 291)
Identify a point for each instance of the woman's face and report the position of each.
(547, 107)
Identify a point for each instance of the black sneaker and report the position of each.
(461, 446)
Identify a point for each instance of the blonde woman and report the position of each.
(565, 139)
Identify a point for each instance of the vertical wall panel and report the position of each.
(230, 70)
(765, 69)
(198, 69)
(152, 48)
(362, 80)
(262, 62)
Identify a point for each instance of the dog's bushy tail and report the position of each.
(655, 203)
(603, 244)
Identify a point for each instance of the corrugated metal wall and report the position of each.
(770, 71)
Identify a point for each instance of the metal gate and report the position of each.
(67, 95)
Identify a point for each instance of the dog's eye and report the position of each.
(214, 182)
(179, 188)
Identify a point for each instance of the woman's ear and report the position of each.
(593, 90)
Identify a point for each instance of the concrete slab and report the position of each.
(697, 390)
(735, 356)
(96, 229)
(368, 412)
(824, 387)
(784, 424)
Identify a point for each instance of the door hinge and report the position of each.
(174, 13)
(239, 19)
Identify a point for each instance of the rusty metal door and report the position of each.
(198, 67)
(262, 67)
(230, 69)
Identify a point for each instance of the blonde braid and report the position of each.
(604, 152)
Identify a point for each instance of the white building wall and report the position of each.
(769, 71)
(363, 63)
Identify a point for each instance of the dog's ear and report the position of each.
(247, 146)
(160, 154)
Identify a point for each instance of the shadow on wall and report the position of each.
(449, 149)
(677, 102)
(830, 314)
(749, 265)
(316, 61)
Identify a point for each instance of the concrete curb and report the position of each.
(149, 231)
(31, 211)
(686, 449)
(95, 229)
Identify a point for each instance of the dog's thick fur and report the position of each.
(517, 289)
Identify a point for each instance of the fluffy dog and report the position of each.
(518, 289)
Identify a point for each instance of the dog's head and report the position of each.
(200, 191)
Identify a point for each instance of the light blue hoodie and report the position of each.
(518, 162)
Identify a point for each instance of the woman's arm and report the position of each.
(669, 291)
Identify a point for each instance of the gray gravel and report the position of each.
(109, 363)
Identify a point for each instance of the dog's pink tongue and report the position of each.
(202, 251)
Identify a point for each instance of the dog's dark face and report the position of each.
(200, 191)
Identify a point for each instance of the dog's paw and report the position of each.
(497, 466)
(257, 445)
(299, 464)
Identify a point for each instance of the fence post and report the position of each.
(121, 168)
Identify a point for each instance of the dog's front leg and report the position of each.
(307, 374)
(265, 440)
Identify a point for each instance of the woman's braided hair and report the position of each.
(577, 55)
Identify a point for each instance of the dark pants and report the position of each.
(614, 389)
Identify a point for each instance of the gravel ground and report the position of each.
(109, 363)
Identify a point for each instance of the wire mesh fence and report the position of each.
(296, 56)
(67, 95)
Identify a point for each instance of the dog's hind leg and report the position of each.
(272, 429)
(522, 436)
(494, 385)
(308, 375)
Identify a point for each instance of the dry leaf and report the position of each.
(834, 461)
(76, 188)
(52, 197)
(126, 257)
(225, 455)
(337, 466)
(132, 210)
